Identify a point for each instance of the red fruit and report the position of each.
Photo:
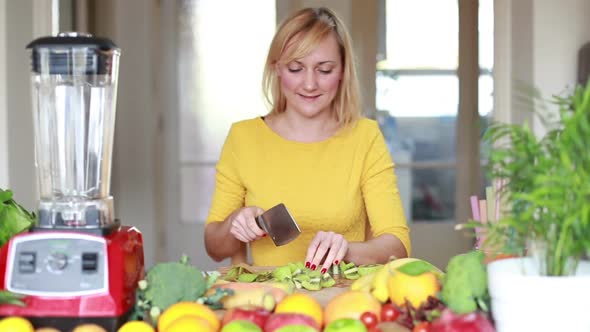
(258, 316)
(472, 322)
(369, 319)
(276, 321)
(389, 312)
(423, 327)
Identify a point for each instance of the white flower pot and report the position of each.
(522, 300)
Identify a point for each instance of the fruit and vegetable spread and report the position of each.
(407, 294)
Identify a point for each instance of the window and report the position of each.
(417, 99)
(221, 58)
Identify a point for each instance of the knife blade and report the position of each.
(279, 224)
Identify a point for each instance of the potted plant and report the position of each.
(544, 219)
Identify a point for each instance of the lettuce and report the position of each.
(14, 218)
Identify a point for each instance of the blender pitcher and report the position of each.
(74, 87)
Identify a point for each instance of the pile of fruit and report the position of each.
(406, 294)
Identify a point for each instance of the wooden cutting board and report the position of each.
(323, 296)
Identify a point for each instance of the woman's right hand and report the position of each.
(243, 224)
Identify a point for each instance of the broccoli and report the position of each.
(168, 283)
(464, 286)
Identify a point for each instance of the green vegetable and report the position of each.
(7, 297)
(465, 285)
(14, 218)
(168, 283)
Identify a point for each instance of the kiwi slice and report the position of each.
(367, 269)
(327, 280)
(312, 284)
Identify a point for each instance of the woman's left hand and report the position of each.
(330, 245)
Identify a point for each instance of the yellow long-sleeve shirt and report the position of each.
(331, 185)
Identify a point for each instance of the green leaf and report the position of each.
(5, 195)
(417, 268)
(7, 297)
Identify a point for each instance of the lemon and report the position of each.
(189, 323)
(301, 303)
(414, 289)
(136, 326)
(181, 309)
(15, 324)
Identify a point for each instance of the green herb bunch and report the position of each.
(546, 196)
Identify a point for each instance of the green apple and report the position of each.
(296, 328)
(241, 325)
(346, 325)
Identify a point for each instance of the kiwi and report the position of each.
(327, 280)
(312, 284)
(367, 269)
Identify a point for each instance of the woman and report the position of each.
(314, 153)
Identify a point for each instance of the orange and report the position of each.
(136, 326)
(181, 309)
(351, 304)
(189, 323)
(301, 303)
(414, 289)
(15, 324)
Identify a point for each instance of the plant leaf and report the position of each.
(417, 268)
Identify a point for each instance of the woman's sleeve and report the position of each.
(229, 190)
(380, 192)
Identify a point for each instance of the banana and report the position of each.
(363, 283)
(255, 297)
(379, 286)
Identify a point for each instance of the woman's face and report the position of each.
(310, 84)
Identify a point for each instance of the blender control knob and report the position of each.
(58, 261)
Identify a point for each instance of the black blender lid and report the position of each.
(61, 48)
(72, 39)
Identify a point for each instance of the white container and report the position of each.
(522, 300)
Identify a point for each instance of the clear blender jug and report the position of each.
(74, 86)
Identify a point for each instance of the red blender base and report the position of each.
(70, 278)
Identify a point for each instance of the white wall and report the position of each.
(3, 114)
(17, 141)
(537, 43)
(556, 50)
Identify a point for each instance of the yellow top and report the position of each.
(331, 185)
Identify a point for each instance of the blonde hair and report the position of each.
(306, 28)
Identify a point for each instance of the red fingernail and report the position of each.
(307, 264)
(264, 235)
(323, 270)
(336, 262)
(313, 266)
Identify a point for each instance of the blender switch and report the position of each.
(89, 262)
(26, 262)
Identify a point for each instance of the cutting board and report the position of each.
(323, 296)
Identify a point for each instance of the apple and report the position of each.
(346, 325)
(256, 315)
(297, 328)
(276, 321)
(241, 325)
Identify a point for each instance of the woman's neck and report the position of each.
(294, 127)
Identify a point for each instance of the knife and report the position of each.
(279, 224)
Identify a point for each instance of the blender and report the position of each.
(78, 264)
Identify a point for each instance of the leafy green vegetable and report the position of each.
(14, 218)
(7, 297)
(465, 285)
